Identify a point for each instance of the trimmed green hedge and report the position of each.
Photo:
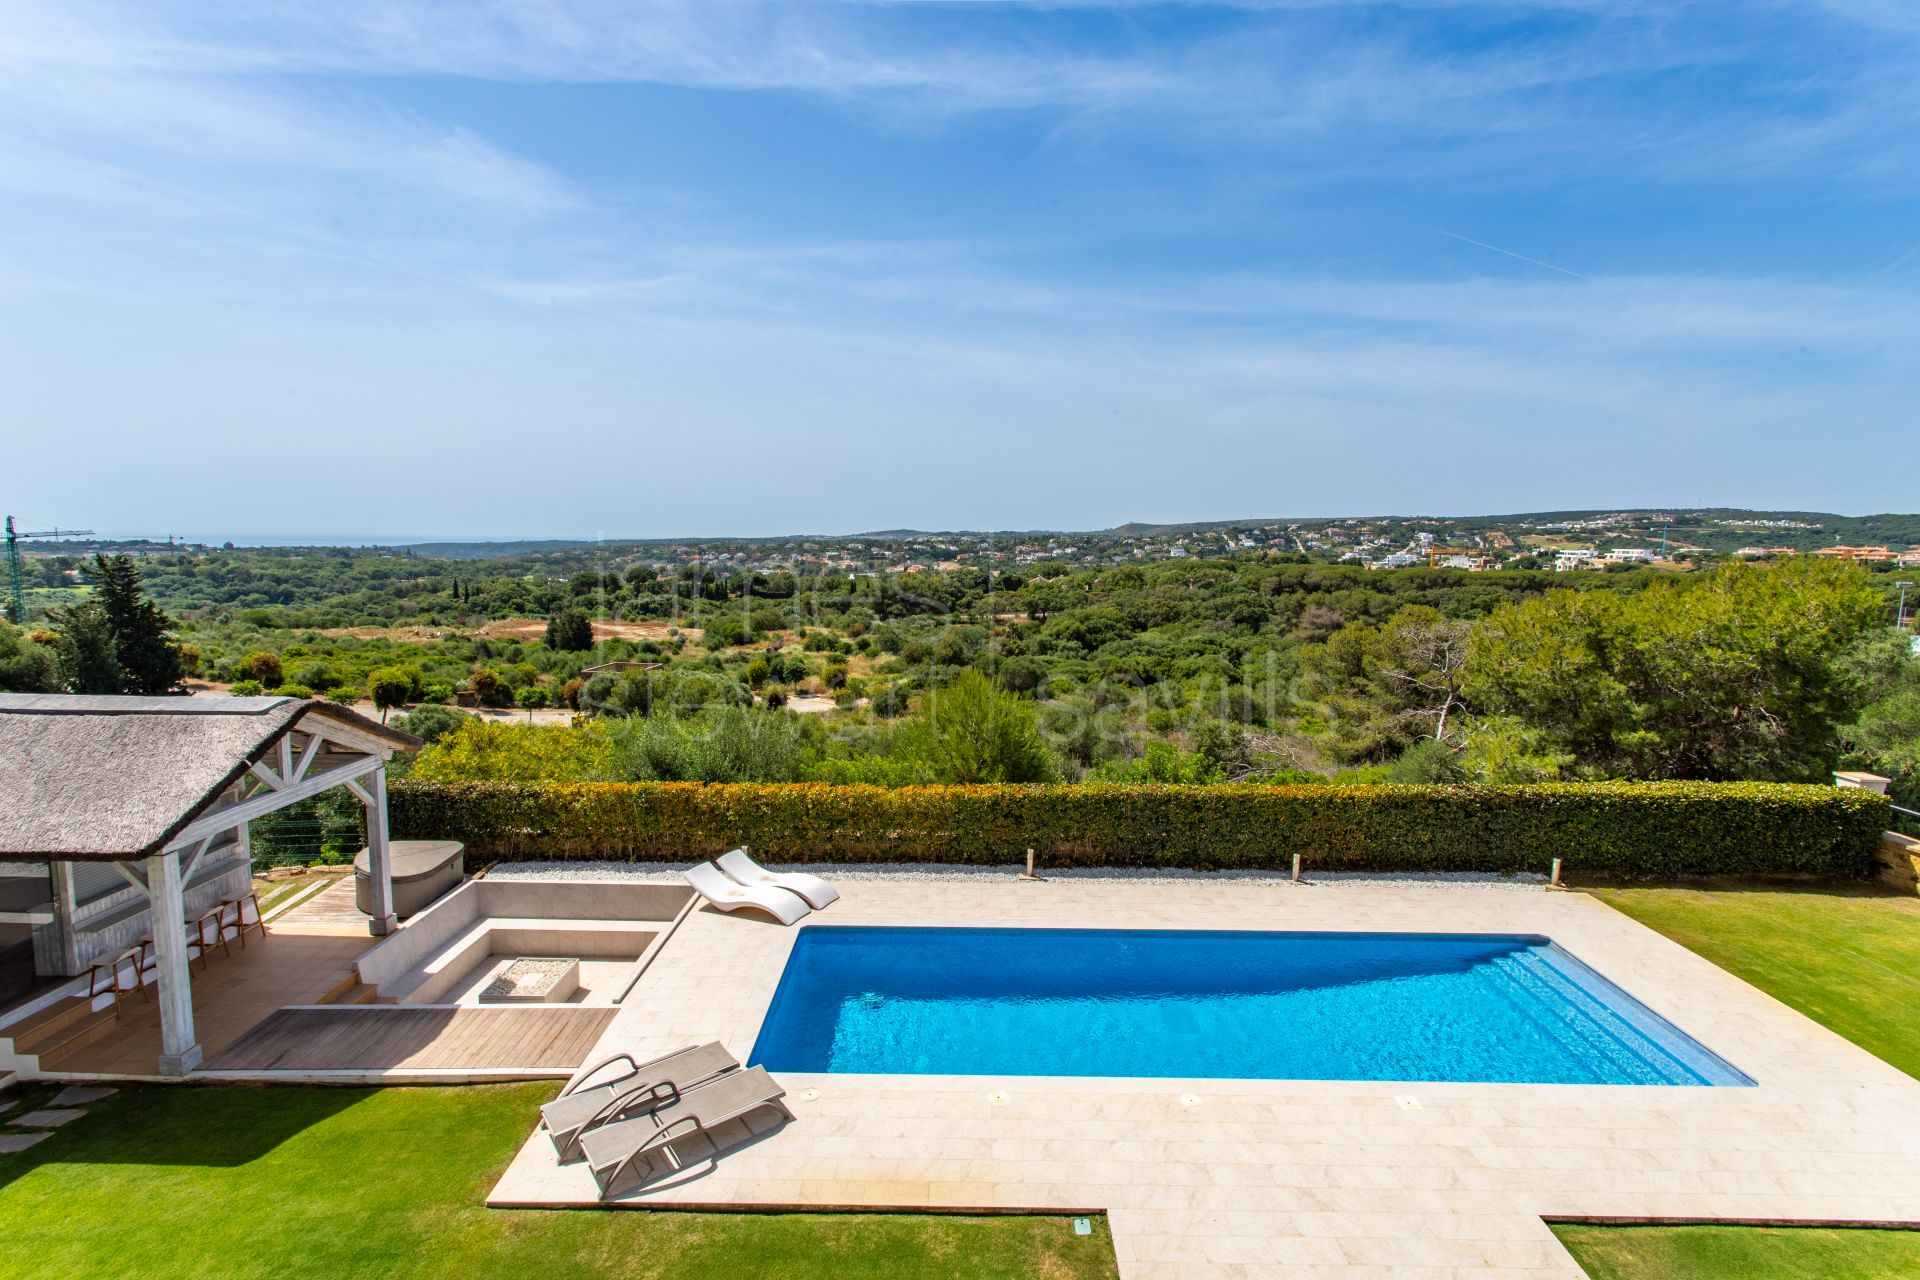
(1631, 829)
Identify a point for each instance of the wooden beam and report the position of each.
(307, 757)
(379, 856)
(179, 1050)
(189, 863)
(215, 821)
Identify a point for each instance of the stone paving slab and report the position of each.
(1283, 1177)
(78, 1095)
(49, 1118)
(14, 1143)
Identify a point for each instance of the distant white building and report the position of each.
(1629, 554)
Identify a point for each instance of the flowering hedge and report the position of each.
(1631, 829)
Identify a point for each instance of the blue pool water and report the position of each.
(1280, 1006)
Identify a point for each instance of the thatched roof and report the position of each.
(99, 778)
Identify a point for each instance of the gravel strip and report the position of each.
(882, 871)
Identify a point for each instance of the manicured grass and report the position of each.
(209, 1183)
(1847, 957)
(1741, 1253)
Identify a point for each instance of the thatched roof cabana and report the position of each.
(117, 779)
(137, 805)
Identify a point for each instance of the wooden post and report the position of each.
(1028, 873)
(1296, 868)
(379, 856)
(166, 902)
(1553, 881)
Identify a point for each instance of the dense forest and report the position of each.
(1253, 668)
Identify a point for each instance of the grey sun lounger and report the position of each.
(744, 870)
(613, 1149)
(643, 1086)
(710, 883)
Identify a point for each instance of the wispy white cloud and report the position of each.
(1594, 78)
(224, 197)
(126, 101)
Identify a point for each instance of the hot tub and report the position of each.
(423, 870)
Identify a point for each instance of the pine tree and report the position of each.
(149, 658)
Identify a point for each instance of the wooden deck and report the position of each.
(232, 993)
(422, 1037)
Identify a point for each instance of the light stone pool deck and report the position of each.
(1293, 1178)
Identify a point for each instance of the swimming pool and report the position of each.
(1281, 1006)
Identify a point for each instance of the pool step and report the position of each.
(1584, 1023)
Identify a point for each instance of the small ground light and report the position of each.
(1082, 1227)
(1408, 1102)
(809, 1095)
(998, 1098)
(1189, 1099)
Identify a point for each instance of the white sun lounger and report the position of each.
(782, 904)
(744, 870)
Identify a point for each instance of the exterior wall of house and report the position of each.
(98, 914)
(108, 925)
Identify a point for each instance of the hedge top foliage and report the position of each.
(1633, 829)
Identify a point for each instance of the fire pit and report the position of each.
(534, 980)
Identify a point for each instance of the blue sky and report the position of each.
(398, 267)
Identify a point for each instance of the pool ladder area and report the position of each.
(1546, 995)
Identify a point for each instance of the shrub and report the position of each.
(261, 667)
(891, 701)
(1161, 762)
(246, 689)
(431, 722)
(490, 690)
(570, 630)
(390, 687)
(294, 691)
(1618, 828)
(315, 675)
(517, 752)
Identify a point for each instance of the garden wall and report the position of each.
(1618, 828)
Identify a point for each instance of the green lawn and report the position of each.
(207, 1183)
(1746, 1253)
(1847, 957)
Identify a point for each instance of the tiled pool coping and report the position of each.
(1243, 1178)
